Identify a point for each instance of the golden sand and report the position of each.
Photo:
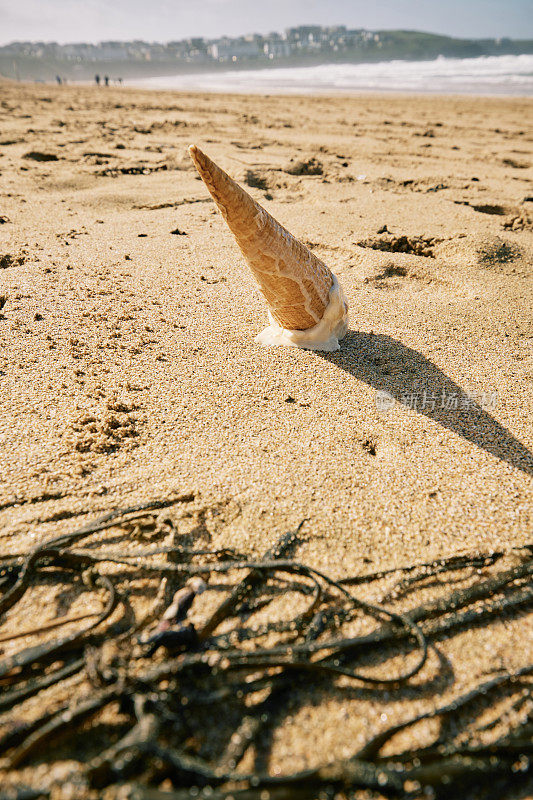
(128, 364)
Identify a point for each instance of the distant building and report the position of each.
(112, 51)
(276, 48)
(305, 35)
(234, 49)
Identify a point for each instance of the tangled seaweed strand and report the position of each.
(205, 669)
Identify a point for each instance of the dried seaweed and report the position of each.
(162, 680)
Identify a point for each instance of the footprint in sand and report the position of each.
(309, 166)
(413, 245)
(104, 430)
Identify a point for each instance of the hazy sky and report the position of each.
(163, 20)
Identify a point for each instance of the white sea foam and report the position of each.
(485, 75)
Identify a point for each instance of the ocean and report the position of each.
(496, 75)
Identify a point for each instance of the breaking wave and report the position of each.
(484, 75)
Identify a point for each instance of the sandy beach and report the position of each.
(128, 367)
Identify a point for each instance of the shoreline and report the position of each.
(510, 75)
(353, 93)
(362, 94)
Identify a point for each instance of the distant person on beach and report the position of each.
(97, 80)
(106, 80)
(58, 79)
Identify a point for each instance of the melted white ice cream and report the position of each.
(323, 336)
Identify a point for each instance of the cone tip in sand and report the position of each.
(306, 304)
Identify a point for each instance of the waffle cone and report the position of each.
(295, 283)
